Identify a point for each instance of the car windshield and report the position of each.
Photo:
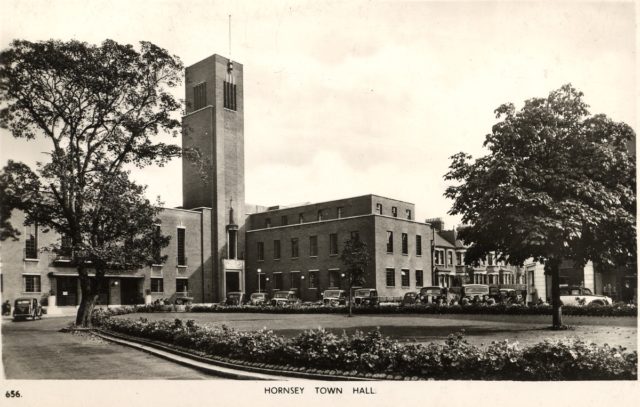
(410, 295)
(363, 293)
(257, 295)
(281, 295)
(476, 290)
(430, 291)
(332, 294)
(23, 302)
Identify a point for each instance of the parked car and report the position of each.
(367, 297)
(475, 292)
(410, 298)
(284, 297)
(431, 294)
(234, 298)
(334, 297)
(574, 295)
(24, 308)
(258, 298)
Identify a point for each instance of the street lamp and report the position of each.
(259, 271)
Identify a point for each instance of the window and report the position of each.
(294, 280)
(354, 235)
(157, 254)
(284, 220)
(490, 259)
(263, 282)
(419, 278)
(408, 212)
(394, 211)
(31, 284)
(277, 281)
(294, 247)
(66, 247)
(334, 278)
(301, 218)
(389, 241)
(404, 278)
(379, 209)
(260, 251)
(439, 257)
(267, 223)
(276, 249)
(200, 96)
(157, 285)
(320, 215)
(405, 243)
(333, 243)
(31, 244)
(182, 285)
(459, 258)
(313, 246)
(339, 212)
(449, 258)
(391, 278)
(182, 258)
(230, 95)
(418, 245)
(313, 279)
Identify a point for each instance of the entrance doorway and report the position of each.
(130, 293)
(232, 279)
(67, 291)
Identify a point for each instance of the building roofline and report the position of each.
(315, 222)
(333, 200)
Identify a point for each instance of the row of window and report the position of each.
(295, 246)
(284, 219)
(31, 284)
(404, 241)
(439, 259)
(229, 95)
(405, 278)
(296, 280)
(394, 211)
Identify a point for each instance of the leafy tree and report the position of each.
(99, 107)
(558, 183)
(356, 258)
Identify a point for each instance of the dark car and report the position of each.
(410, 298)
(431, 295)
(366, 297)
(24, 308)
(334, 298)
(258, 298)
(234, 298)
(284, 297)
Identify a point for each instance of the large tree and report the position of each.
(558, 184)
(100, 108)
(355, 256)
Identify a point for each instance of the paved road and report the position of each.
(36, 350)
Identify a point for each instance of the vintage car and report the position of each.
(431, 294)
(366, 297)
(574, 295)
(234, 298)
(334, 297)
(410, 298)
(475, 292)
(258, 298)
(24, 308)
(284, 297)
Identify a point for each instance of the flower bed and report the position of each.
(373, 355)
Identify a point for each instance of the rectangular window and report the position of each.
(157, 252)
(157, 285)
(313, 279)
(277, 281)
(284, 220)
(418, 245)
(301, 218)
(440, 257)
(200, 96)
(294, 278)
(394, 211)
(276, 249)
(354, 235)
(404, 278)
(260, 251)
(389, 241)
(419, 278)
(459, 258)
(450, 258)
(333, 243)
(339, 212)
(182, 285)
(405, 243)
(313, 246)
(182, 258)
(408, 212)
(31, 284)
(334, 278)
(320, 215)
(379, 208)
(490, 259)
(230, 95)
(66, 247)
(31, 244)
(294, 247)
(391, 278)
(267, 223)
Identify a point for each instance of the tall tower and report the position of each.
(214, 125)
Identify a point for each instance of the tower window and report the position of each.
(200, 96)
(379, 208)
(394, 211)
(182, 258)
(230, 95)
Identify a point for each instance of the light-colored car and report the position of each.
(334, 298)
(258, 298)
(282, 298)
(571, 295)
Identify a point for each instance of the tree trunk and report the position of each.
(87, 302)
(554, 266)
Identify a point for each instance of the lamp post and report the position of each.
(259, 271)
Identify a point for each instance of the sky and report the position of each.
(351, 98)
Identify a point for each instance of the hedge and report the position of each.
(616, 310)
(374, 355)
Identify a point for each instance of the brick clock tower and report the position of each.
(214, 125)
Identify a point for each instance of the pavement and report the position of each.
(36, 350)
